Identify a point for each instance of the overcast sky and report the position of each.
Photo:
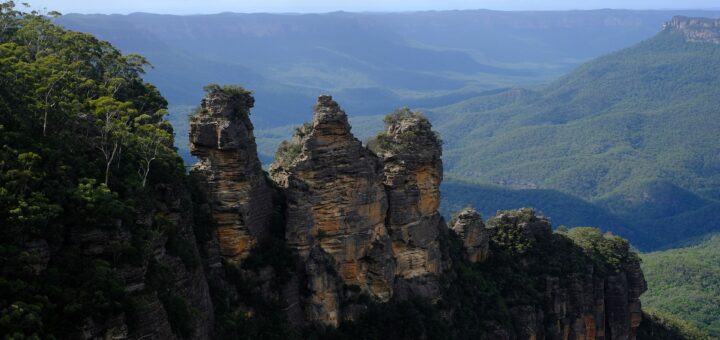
(215, 6)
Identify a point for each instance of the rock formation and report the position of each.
(468, 225)
(183, 279)
(337, 209)
(696, 29)
(363, 225)
(581, 304)
(367, 224)
(221, 136)
(411, 152)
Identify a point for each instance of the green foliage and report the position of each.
(608, 252)
(510, 232)
(79, 131)
(179, 315)
(657, 325)
(287, 153)
(303, 130)
(253, 315)
(379, 143)
(686, 282)
(276, 254)
(184, 249)
(397, 116)
(233, 94)
(96, 205)
(633, 132)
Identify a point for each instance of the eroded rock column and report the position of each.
(336, 210)
(221, 136)
(411, 154)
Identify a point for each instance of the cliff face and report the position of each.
(221, 136)
(363, 222)
(411, 152)
(169, 281)
(337, 209)
(696, 29)
(586, 302)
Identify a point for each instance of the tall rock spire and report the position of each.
(337, 209)
(221, 136)
(413, 171)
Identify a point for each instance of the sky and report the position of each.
(314, 6)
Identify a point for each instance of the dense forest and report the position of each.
(84, 146)
(686, 282)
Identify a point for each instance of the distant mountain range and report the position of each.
(371, 62)
(634, 132)
(626, 142)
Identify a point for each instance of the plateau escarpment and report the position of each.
(588, 283)
(696, 29)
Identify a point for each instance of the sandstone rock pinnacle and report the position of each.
(221, 136)
(336, 209)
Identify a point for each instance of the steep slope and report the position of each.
(686, 283)
(634, 131)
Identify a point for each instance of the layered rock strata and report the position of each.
(696, 29)
(469, 226)
(411, 153)
(336, 212)
(365, 221)
(221, 136)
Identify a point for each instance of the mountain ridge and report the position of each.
(477, 37)
(583, 135)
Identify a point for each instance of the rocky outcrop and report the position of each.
(336, 212)
(221, 136)
(366, 223)
(696, 29)
(468, 225)
(411, 154)
(170, 280)
(585, 303)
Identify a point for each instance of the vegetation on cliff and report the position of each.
(659, 325)
(478, 299)
(83, 146)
